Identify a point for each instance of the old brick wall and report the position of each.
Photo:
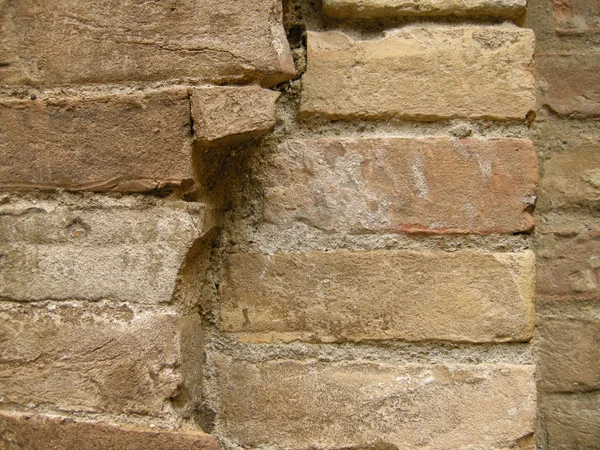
(261, 225)
(567, 138)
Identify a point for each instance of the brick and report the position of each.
(571, 421)
(424, 72)
(112, 41)
(403, 185)
(568, 259)
(98, 358)
(571, 178)
(226, 115)
(130, 142)
(314, 405)
(121, 250)
(570, 83)
(568, 345)
(372, 9)
(576, 16)
(336, 296)
(19, 432)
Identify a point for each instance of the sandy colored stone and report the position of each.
(371, 9)
(569, 83)
(225, 115)
(112, 40)
(403, 185)
(421, 72)
(20, 432)
(570, 421)
(113, 249)
(121, 142)
(98, 358)
(315, 405)
(568, 253)
(340, 296)
(568, 345)
(571, 177)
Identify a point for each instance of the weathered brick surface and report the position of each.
(571, 178)
(19, 432)
(414, 296)
(421, 72)
(128, 142)
(99, 358)
(122, 250)
(571, 421)
(111, 40)
(302, 405)
(434, 185)
(576, 16)
(568, 345)
(569, 83)
(568, 258)
(225, 115)
(369, 9)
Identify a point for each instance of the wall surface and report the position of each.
(298, 225)
(567, 137)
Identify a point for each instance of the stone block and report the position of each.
(423, 72)
(403, 185)
(337, 296)
(108, 41)
(315, 405)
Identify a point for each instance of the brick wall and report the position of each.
(261, 225)
(567, 138)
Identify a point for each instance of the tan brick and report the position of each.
(570, 83)
(111, 40)
(568, 258)
(421, 72)
(129, 142)
(576, 16)
(415, 296)
(226, 115)
(570, 421)
(82, 357)
(122, 250)
(568, 345)
(433, 185)
(571, 178)
(302, 405)
(19, 432)
(371, 9)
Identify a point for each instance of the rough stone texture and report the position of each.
(568, 257)
(19, 432)
(122, 250)
(571, 178)
(111, 40)
(569, 83)
(414, 296)
(370, 9)
(576, 16)
(421, 72)
(302, 405)
(101, 358)
(570, 421)
(128, 142)
(226, 115)
(435, 185)
(568, 346)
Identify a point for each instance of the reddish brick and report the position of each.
(435, 185)
(20, 432)
(576, 16)
(570, 83)
(129, 142)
